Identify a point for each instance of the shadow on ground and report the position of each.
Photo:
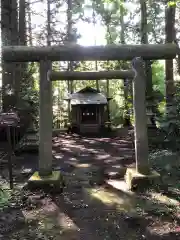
(107, 213)
(98, 212)
(92, 206)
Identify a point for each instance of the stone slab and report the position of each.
(54, 181)
(136, 180)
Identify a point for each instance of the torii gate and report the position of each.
(74, 52)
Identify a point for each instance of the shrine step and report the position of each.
(89, 128)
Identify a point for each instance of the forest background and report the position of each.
(92, 22)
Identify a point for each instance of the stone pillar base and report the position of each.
(54, 182)
(138, 181)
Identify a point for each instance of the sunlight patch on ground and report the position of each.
(91, 141)
(164, 199)
(58, 156)
(102, 157)
(66, 149)
(73, 159)
(91, 150)
(109, 161)
(120, 185)
(68, 141)
(64, 228)
(66, 223)
(76, 146)
(104, 140)
(117, 166)
(53, 221)
(83, 165)
(120, 201)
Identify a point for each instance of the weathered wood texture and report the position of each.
(140, 127)
(45, 121)
(67, 75)
(74, 52)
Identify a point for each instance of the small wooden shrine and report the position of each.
(89, 111)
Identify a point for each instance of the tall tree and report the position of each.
(170, 38)
(94, 24)
(29, 23)
(22, 67)
(124, 64)
(9, 35)
(49, 36)
(70, 39)
(22, 22)
(148, 68)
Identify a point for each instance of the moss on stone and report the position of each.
(136, 180)
(55, 181)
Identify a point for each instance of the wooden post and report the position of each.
(45, 121)
(139, 105)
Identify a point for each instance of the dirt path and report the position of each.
(91, 206)
(90, 212)
(110, 154)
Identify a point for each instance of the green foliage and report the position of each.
(109, 12)
(4, 198)
(170, 120)
(158, 77)
(28, 103)
(172, 3)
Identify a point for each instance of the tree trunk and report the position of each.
(6, 40)
(97, 82)
(170, 38)
(148, 68)
(127, 81)
(48, 23)
(122, 32)
(22, 22)
(14, 41)
(22, 67)
(96, 63)
(29, 37)
(9, 36)
(109, 41)
(108, 104)
(29, 23)
(70, 40)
